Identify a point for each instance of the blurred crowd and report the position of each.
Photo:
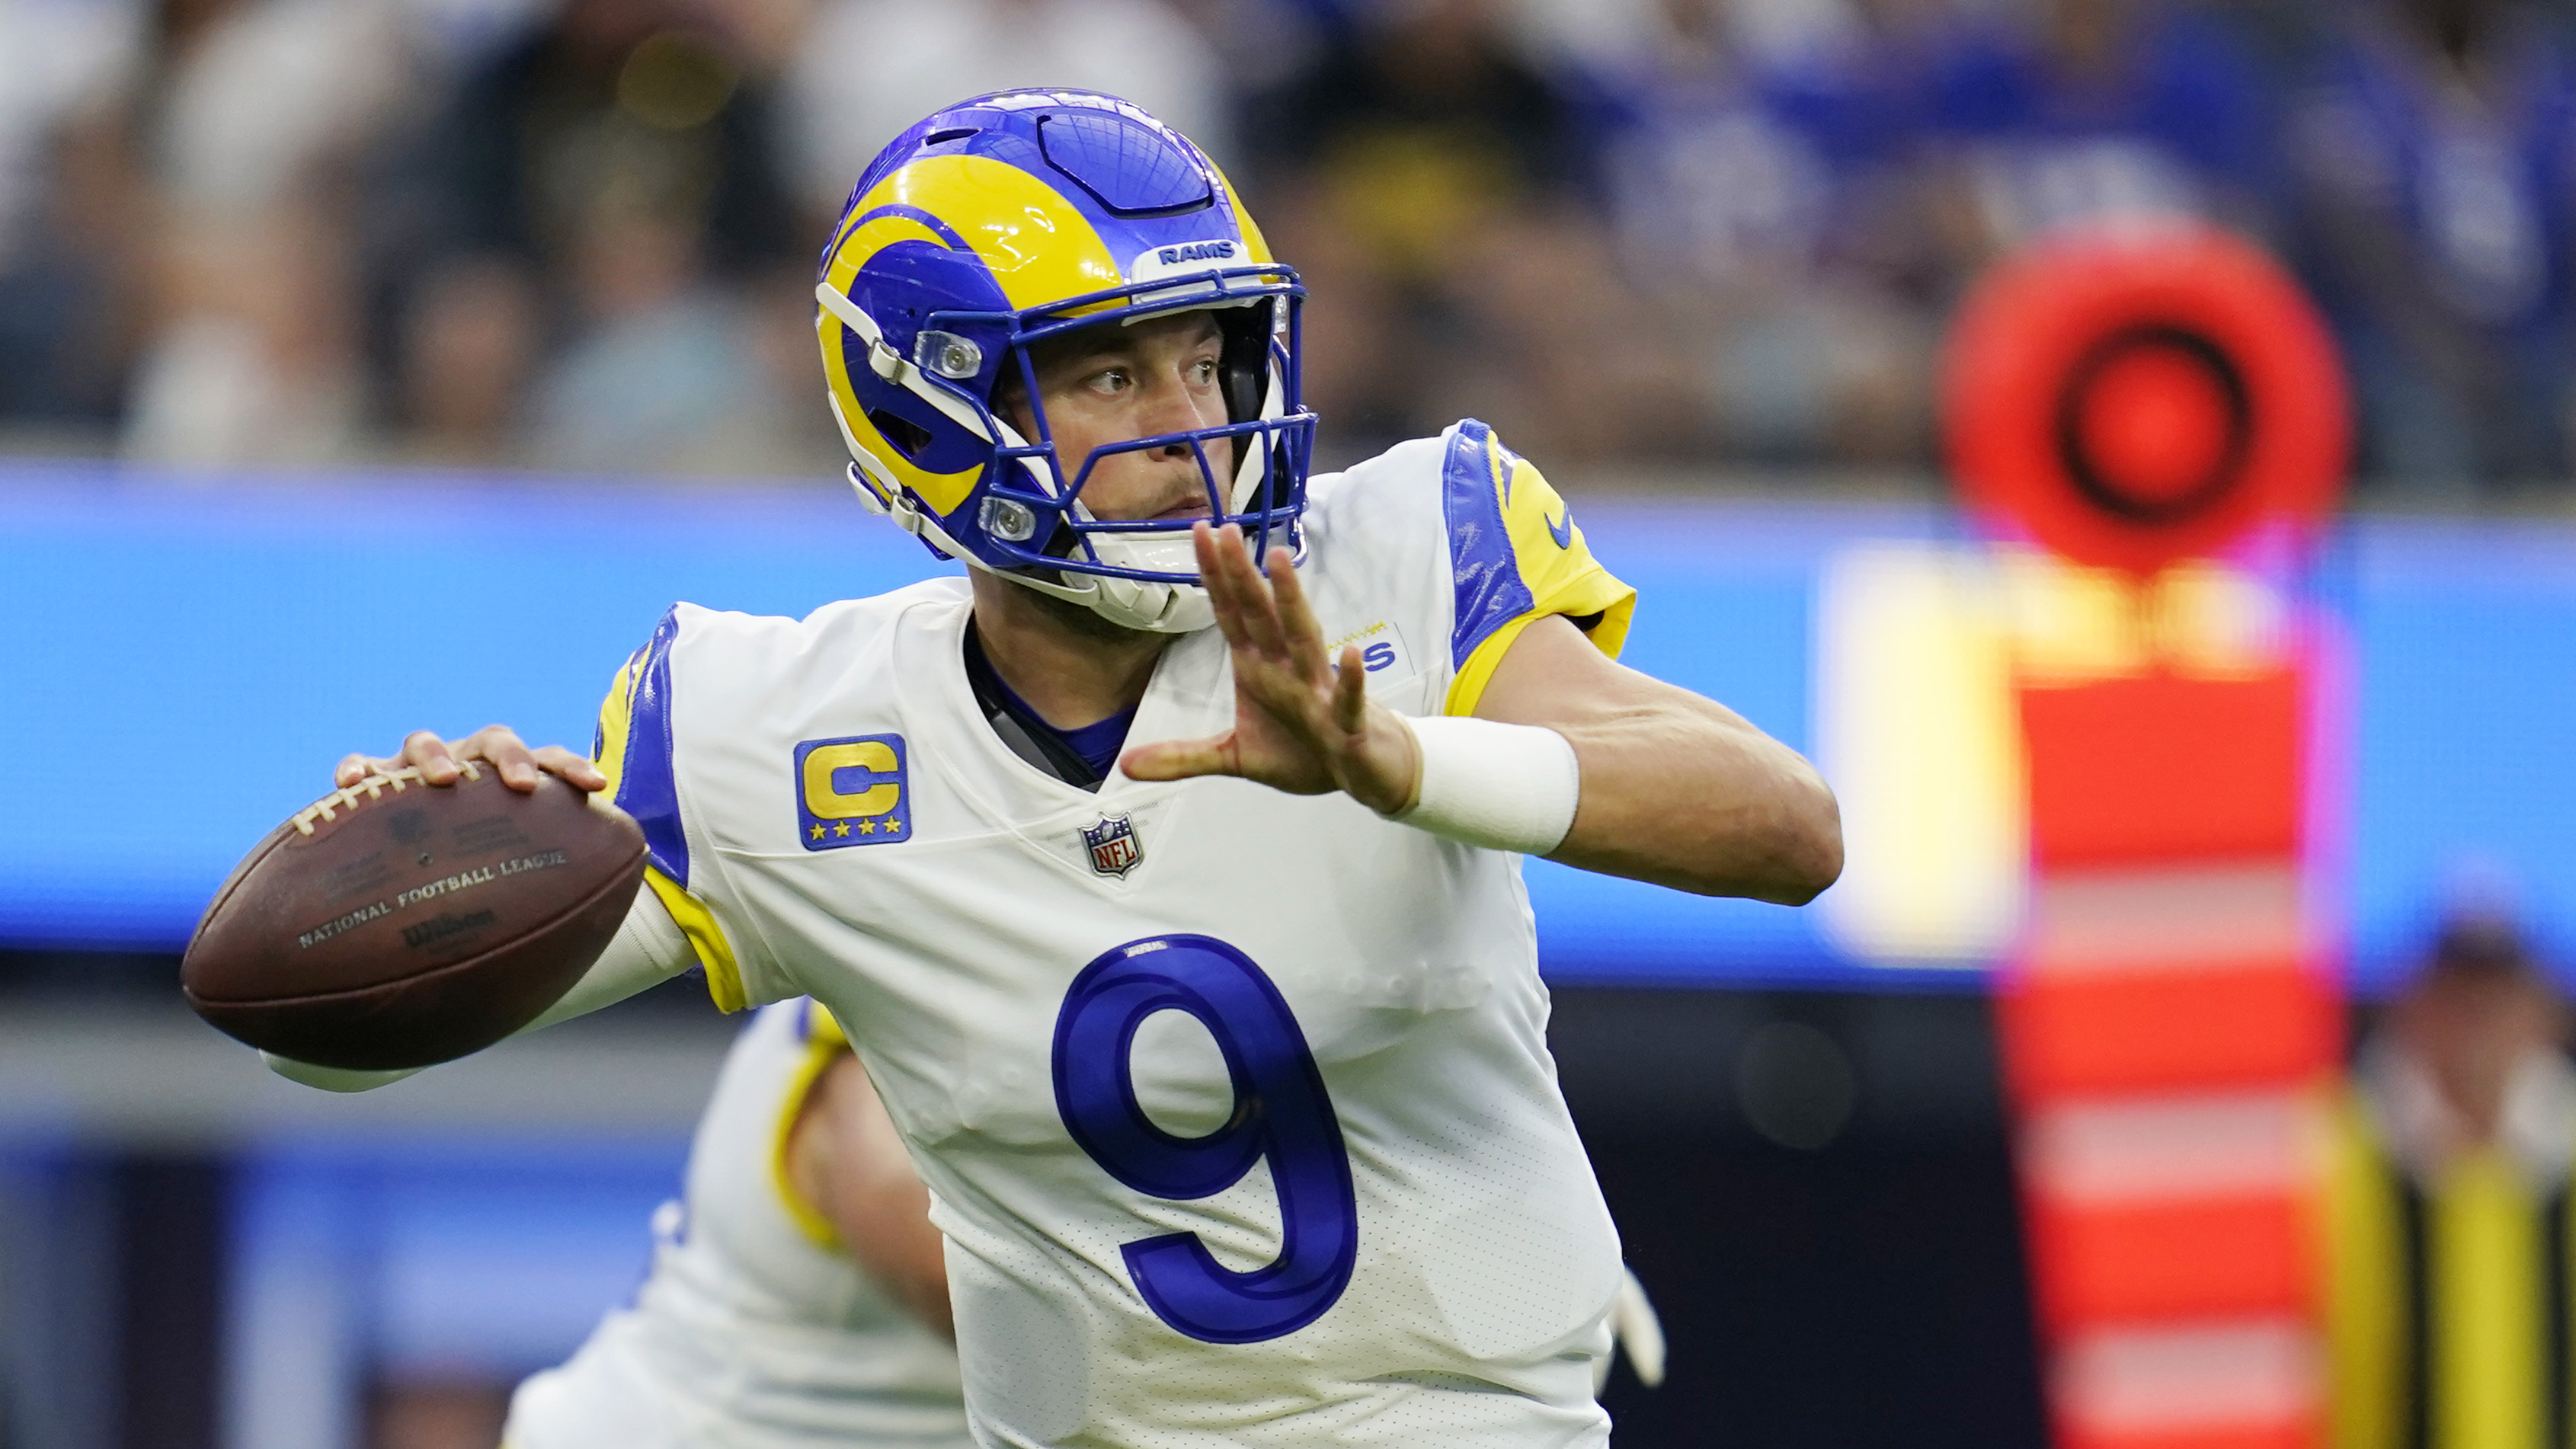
(580, 233)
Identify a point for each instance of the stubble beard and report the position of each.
(1080, 621)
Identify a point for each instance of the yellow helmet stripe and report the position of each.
(1038, 245)
(940, 492)
(1256, 246)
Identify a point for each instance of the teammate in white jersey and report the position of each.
(797, 1297)
(1192, 963)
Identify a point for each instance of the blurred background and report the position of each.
(372, 364)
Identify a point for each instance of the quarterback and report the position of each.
(1165, 868)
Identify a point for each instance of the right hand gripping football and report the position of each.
(440, 762)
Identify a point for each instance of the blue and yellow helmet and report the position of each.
(1009, 219)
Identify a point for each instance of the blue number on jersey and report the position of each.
(1281, 1112)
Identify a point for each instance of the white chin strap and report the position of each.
(1152, 606)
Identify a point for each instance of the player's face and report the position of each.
(1111, 384)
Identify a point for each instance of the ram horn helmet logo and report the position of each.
(1115, 848)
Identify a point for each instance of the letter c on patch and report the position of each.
(875, 763)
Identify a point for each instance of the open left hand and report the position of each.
(1300, 724)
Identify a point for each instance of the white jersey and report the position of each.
(756, 1330)
(1235, 1106)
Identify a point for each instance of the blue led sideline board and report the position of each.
(185, 658)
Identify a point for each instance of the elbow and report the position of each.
(1808, 851)
(1786, 855)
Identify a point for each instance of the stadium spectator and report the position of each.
(2434, 149)
(1430, 180)
(616, 167)
(917, 58)
(1753, 174)
(63, 190)
(2448, 1207)
(2096, 112)
(250, 116)
(1701, 230)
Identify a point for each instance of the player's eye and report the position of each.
(1110, 380)
(1203, 372)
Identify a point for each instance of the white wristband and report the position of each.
(1503, 786)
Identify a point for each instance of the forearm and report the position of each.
(647, 950)
(1684, 793)
(888, 1230)
(1673, 788)
(845, 1157)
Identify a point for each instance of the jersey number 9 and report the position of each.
(1281, 1112)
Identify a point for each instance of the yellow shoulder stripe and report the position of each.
(823, 1046)
(706, 938)
(617, 721)
(1554, 562)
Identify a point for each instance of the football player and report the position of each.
(1165, 869)
(797, 1296)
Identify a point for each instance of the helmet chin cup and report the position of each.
(1150, 605)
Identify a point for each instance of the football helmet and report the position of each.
(1004, 221)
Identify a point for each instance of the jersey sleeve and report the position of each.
(633, 748)
(1514, 556)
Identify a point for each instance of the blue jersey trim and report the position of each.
(1097, 744)
(646, 787)
(1482, 567)
(1100, 743)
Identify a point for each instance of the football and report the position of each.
(398, 924)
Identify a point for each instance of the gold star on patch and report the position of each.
(893, 825)
(818, 832)
(841, 829)
(867, 827)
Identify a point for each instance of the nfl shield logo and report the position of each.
(1114, 847)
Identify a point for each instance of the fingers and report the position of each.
(574, 770)
(1297, 623)
(1350, 692)
(1236, 588)
(443, 763)
(521, 766)
(1260, 604)
(435, 760)
(1220, 591)
(1182, 759)
(509, 755)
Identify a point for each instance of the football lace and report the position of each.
(373, 787)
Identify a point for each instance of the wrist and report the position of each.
(1501, 786)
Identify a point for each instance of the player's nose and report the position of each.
(1176, 407)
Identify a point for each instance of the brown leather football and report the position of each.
(398, 924)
